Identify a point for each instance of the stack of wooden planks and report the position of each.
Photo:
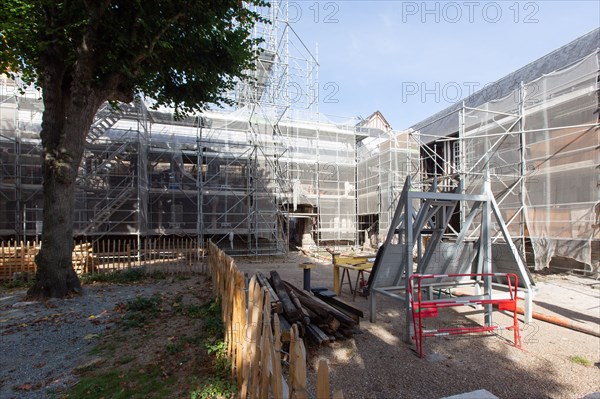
(17, 260)
(315, 319)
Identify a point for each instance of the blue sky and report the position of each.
(386, 55)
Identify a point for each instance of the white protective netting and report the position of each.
(555, 191)
(562, 157)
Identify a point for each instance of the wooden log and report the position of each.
(289, 309)
(314, 333)
(342, 306)
(286, 327)
(305, 317)
(316, 304)
(333, 324)
(276, 305)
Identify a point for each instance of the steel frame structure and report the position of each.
(285, 151)
(395, 265)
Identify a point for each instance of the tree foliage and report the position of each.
(181, 53)
(81, 53)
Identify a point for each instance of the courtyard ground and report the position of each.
(555, 363)
(47, 348)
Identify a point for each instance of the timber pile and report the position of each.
(83, 258)
(315, 319)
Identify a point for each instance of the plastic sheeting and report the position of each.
(551, 186)
(562, 156)
(383, 165)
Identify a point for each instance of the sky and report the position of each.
(410, 59)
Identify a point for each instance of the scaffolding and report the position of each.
(539, 142)
(249, 176)
(383, 164)
(271, 172)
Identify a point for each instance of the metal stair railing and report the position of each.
(96, 170)
(122, 192)
(107, 117)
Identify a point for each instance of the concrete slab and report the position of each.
(479, 394)
(574, 298)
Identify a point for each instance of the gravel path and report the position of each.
(41, 343)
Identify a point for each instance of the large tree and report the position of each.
(81, 53)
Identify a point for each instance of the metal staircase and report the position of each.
(107, 117)
(116, 198)
(95, 176)
(88, 178)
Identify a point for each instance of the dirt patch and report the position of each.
(160, 347)
(143, 340)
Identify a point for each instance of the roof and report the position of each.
(445, 122)
(373, 117)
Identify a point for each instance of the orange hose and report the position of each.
(556, 320)
(559, 321)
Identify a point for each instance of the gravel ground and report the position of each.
(377, 363)
(41, 343)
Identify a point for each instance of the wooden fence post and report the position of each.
(323, 380)
(253, 335)
(265, 354)
(297, 373)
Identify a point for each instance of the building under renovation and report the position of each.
(272, 173)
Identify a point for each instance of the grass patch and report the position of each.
(105, 348)
(215, 387)
(196, 340)
(17, 283)
(211, 317)
(221, 385)
(222, 364)
(581, 360)
(210, 313)
(141, 310)
(174, 347)
(127, 276)
(139, 383)
(189, 359)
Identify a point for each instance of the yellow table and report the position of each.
(347, 263)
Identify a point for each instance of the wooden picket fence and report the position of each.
(170, 254)
(253, 338)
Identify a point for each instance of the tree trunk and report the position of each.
(69, 110)
(55, 275)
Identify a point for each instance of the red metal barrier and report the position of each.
(422, 309)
